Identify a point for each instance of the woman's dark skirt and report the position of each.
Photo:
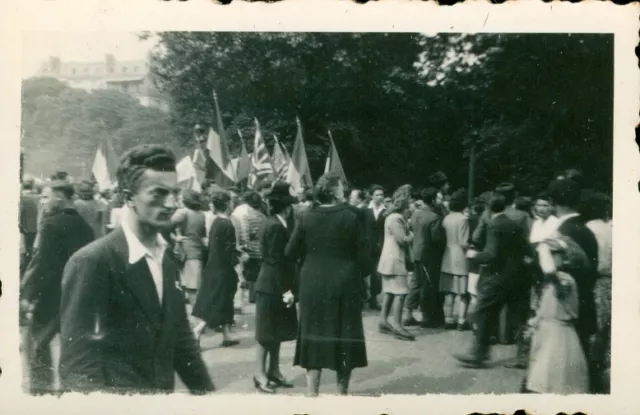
(214, 302)
(275, 323)
(330, 334)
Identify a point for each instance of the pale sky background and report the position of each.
(80, 47)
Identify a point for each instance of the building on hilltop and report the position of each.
(131, 77)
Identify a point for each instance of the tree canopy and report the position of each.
(62, 126)
(401, 106)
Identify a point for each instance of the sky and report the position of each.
(79, 47)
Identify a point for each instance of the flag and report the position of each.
(280, 160)
(105, 165)
(261, 167)
(219, 148)
(187, 176)
(243, 165)
(333, 164)
(200, 165)
(299, 175)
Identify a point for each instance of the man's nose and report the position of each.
(171, 201)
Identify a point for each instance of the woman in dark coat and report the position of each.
(332, 245)
(276, 318)
(214, 303)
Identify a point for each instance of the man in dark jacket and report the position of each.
(501, 283)
(124, 326)
(427, 256)
(63, 232)
(375, 217)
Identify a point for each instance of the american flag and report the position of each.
(261, 166)
(280, 160)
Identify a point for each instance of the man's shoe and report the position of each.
(471, 360)
(374, 306)
(410, 321)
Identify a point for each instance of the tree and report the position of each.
(62, 126)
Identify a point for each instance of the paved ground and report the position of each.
(395, 367)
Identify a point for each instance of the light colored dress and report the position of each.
(557, 363)
(392, 266)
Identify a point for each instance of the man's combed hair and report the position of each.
(134, 162)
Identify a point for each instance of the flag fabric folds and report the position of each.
(243, 163)
(219, 150)
(105, 165)
(280, 160)
(333, 164)
(261, 166)
(298, 174)
(187, 175)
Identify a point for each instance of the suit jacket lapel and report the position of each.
(140, 281)
(137, 277)
(170, 272)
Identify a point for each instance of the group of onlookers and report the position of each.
(309, 262)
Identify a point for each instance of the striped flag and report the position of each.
(333, 164)
(261, 166)
(280, 160)
(105, 165)
(243, 165)
(186, 171)
(299, 175)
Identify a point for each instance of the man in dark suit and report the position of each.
(123, 318)
(29, 203)
(63, 233)
(427, 256)
(565, 195)
(501, 282)
(375, 217)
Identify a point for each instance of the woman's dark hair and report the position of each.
(438, 179)
(326, 188)
(429, 195)
(565, 192)
(458, 200)
(497, 202)
(523, 203)
(191, 200)
(573, 174)
(253, 199)
(140, 158)
(63, 187)
(277, 206)
(508, 190)
(596, 206)
(220, 201)
(375, 188)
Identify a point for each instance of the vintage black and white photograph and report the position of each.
(305, 213)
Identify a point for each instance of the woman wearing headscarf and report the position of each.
(189, 221)
(214, 302)
(331, 243)
(393, 266)
(276, 318)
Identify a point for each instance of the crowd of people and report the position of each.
(131, 279)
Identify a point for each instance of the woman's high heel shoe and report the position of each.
(264, 388)
(280, 382)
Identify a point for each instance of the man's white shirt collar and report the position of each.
(137, 250)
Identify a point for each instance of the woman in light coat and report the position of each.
(393, 268)
(455, 269)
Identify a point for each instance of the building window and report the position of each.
(124, 69)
